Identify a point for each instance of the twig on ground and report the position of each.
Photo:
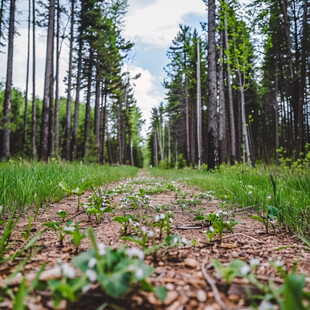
(212, 284)
(244, 235)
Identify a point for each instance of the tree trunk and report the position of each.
(276, 115)
(199, 140)
(77, 102)
(245, 133)
(57, 82)
(212, 120)
(102, 128)
(222, 110)
(8, 86)
(34, 105)
(47, 83)
(119, 130)
(27, 79)
(295, 100)
(69, 99)
(97, 107)
(87, 113)
(230, 101)
(187, 120)
(1, 18)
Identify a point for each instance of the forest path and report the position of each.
(181, 269)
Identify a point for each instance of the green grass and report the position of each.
(244, 186)
(24, 184)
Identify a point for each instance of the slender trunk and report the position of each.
(222, 110)
(103, 123)
(156, 148)
(230, 101)
(169, 143)
(245, 133)
(27, 79)
(77, 102)
(1, 18)
(69, 99)
(212, 120)
(199, 139)
(8, 86)
(295, 100)
(51, 117)
(47, 83)
(187, 120)
(34, 105)
(119, 131)
(276, 114)
(57, 82)
(87, 113)
(97, 107)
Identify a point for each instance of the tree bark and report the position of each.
(69, 99)
(199, 140)
(1, 18)
(57, 82)
(222, 110)
(87, 112)
(47, 83)
(27, 79)
(97, 107)
(34, 105)
(77, 101)
(8, 86)
(187, 120)
(212, 119)
(230, 101)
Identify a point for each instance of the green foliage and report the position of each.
(242, 186)
(181, 162)
(23, 183)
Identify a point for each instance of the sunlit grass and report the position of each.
(25, 184)
(244, 186)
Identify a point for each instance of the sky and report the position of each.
(150, 24)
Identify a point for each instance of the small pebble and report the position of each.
(235, 254)
(233, 297)
(201, 296)
(191, 262)
(169, 286)
(171, 297)
(161, 263)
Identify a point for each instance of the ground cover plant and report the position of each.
(273, 192)
(25, 183)
(161, 245)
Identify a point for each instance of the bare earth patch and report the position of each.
(183, 271)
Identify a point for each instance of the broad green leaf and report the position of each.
(293, 292)
(161, 292)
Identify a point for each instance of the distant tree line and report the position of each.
(105, 124)
(231, 97)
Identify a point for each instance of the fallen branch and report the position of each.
(212, 284)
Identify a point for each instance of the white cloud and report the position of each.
(158, 23)
(147, 93)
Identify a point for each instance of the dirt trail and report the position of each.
(179, 269)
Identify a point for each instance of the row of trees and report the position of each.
(231, 97)
(111, 121)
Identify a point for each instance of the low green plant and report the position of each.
(290, 295)
(26, 232)
(76, 234)
(62, 214)
(59, 230)
(271, 213)
(125, 221)
(162, 221)
(98, 206)
(116, 270)
(218, 222)
(78, 191)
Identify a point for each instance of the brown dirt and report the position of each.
(179, 269)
